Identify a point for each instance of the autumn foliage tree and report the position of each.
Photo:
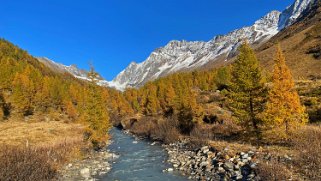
(32, 89)
(284, 112)
(96, 113)
(1, 106)
(246, 89)
(24, 91)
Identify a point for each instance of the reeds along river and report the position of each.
(139, 160)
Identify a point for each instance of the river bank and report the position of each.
(139, 159)
(95, 164)
(206, 163)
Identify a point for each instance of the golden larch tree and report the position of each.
(284, 112)
(246, 89)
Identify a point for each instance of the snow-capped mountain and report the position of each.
(71, 69)
(185, 55)
(289, 16)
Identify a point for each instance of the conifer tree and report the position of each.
(169, 99)
(222, 78)
(24, 91)
(1, 106)
(70, 110)
(246, 89)
(96, 113)
(284, 111)
(151, 104)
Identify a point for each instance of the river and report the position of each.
(139, 160)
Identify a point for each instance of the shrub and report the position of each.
(166, 130)
(144, 127)
(273, 171)
(161, 130)
(307, 141)
(185, 120)
(18, 163)
(200, 135)
(227, 129)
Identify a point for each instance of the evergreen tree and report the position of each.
(169, 99)
(96, 113)
(284, 111)
(24, 91)
(70, 110)
(246, 89)
(151, 104)
(1, 106)
(222, 78)
(93, 75)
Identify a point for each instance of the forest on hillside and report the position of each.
(237, 103)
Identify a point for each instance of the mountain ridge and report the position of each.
(183, 55)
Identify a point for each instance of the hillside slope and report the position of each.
(301, 43)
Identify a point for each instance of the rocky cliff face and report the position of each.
(185, 55)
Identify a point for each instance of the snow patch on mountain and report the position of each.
(186, 55)
(74, 71)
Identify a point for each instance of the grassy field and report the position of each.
(17, 133)
(36, 150)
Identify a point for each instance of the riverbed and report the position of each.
(139, 160)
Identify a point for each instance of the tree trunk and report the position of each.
(254, 120)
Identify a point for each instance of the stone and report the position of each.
(246, 170)
(170, 169)
(85, 172)
(240, 163)
(245, 160)
(215, 162)
(287, 158)
(253, 165)
(251, 176)
(205, 148)
(236, 167)
(220, 170)
(245, 156)
(251, 153)
(228, 166)
(203, 164)
(239, 177)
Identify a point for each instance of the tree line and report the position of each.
(263, 108)
(27, 87)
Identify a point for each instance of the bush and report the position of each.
(161, 130)
(166, 130)
(185, 120)
(200, 135)
(273, 171)
(18, 163)
(307, 141)
(225, 130)
(144, 127)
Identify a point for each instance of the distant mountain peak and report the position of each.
(189, 55)
(292, 12)
(72, 70)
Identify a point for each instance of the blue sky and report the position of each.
(112, 33)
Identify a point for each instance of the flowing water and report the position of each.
(139, 160)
